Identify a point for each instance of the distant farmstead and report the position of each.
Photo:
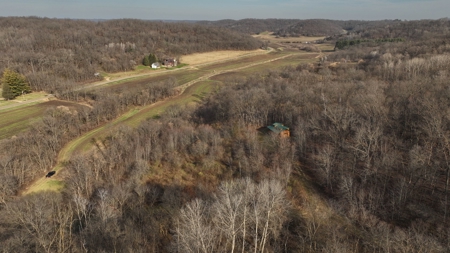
(170, 62)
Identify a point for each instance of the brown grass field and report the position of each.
(274, 39)
(210, 57)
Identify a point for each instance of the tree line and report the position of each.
(341, 44)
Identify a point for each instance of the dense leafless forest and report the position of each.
(366, 169)
(282, 27)
(54, 53)
(417, 30)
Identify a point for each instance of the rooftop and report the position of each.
(277, 128)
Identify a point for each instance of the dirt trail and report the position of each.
(54, 183)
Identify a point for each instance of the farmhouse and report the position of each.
(170, 62)
(156, 65)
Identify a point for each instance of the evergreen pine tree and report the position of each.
(146, 61)
(152, 58)
(14, 84)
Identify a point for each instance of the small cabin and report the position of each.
(278, 129)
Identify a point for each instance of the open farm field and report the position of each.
(211, 57)
(181, 77)
(276, 39)
(19, 119)
(293, 60)
(241, 63)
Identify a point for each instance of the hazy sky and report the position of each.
(232, 9)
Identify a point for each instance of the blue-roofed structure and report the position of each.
(280, 129)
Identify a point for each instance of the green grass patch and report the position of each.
(47, 185)
(193, 94)
(292, 61)
(85, 142)
(23, 98)
(189, 77)
(181, 65)
(17, 120)
(126, 80)
(326, 47)
(141, 67)
(135, 116)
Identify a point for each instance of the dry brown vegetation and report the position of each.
(366, 168)
(210, 57)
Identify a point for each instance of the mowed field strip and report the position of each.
(18, 119)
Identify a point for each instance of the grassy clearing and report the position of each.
(189, 76)
(124, 81)
(292, 61)
(15, 121)
(24, 98)
(85, 142)
(240, 62)
(274, 39)
(46, 184)
(182, 76)
(140, 68)
(193, 94)
(326, 47)
(210, 57)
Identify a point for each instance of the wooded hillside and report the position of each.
(416, 29)
(366, 167)
(54, 53)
